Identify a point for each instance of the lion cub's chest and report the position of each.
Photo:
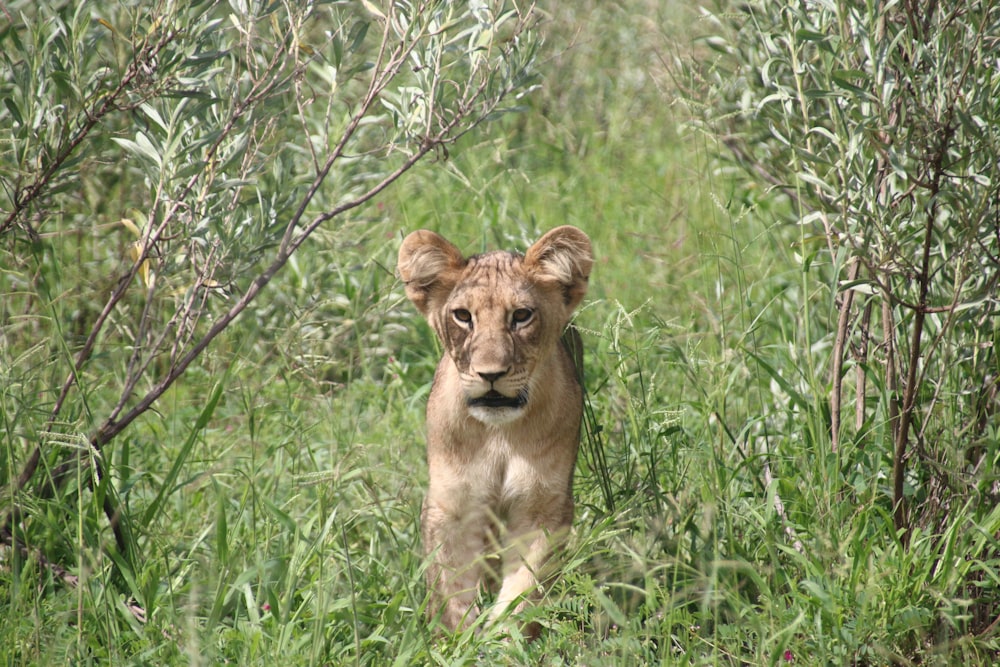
(501, 475)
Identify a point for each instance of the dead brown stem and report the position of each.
(860, 361)
(839, 351)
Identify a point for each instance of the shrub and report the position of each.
(160, 165)
(879, 125)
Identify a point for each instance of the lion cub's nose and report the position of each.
(492, 377)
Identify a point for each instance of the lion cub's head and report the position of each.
(499, 315)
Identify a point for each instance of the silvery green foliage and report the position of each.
(161, 163)
(881, 123)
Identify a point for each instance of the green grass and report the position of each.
(714, 525)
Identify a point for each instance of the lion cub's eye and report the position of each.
(462, 316)
(521, 315)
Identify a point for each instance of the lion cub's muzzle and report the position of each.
(494, 401)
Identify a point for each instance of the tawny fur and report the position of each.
(503, 416)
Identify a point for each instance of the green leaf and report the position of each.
(142, 147)
(167, 486)
(221, 526)
(852, 80)
(786, 386)
(356, 37)
(804, 35)
(14, 112)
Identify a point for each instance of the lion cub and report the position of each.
(503, 417)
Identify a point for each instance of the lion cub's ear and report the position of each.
(563, 255)
(429, 266)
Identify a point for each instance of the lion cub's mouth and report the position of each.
(494, 399)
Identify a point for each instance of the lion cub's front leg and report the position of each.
(458, 542)
(530, 540)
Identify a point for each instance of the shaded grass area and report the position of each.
(714, 523)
